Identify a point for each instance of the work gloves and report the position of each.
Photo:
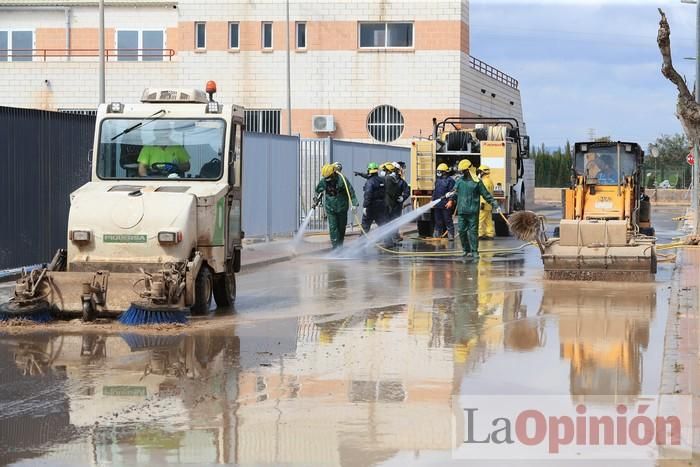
(399, 199)
(364, 212)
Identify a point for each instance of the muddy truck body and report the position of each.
(159, 222)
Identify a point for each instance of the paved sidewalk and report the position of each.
(681, 368)
(261, 253)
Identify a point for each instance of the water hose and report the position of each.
(436, 254)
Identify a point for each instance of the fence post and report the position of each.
(330, 149)
(268, 198)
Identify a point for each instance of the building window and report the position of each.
(234, 35)
(200, 35)
(147, 46)
(262, 121)
(16, 46)
(152, 44)
(301, 35)
(267, 36)
(385, 124)
(386, 35)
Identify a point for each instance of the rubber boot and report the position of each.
(450, 236)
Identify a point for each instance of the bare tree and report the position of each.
(687, 110)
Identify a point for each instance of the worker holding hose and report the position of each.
(467, 193)
(338, 194)
(373, 209)
(442, 212)
(487, 229)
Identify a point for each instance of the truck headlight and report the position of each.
(80, 236)
(169, 237)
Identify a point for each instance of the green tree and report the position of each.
(672, 151)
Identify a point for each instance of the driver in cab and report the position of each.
(163, 157)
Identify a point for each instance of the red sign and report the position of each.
(690, 158)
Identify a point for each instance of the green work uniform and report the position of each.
(468, 193)
(337, 204)
(150, 155)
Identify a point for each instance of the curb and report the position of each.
(679, 362)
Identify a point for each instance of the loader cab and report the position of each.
(607, 163)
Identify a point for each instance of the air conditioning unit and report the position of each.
(323, 123)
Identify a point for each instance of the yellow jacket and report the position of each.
(486, 180)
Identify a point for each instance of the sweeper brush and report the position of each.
(144, 314)
(37, 312)
(526, 226)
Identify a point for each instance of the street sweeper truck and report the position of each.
(156, 232)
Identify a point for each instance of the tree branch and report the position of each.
(667, 69)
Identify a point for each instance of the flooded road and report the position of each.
(332, 362)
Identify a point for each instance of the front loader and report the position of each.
(605, 232)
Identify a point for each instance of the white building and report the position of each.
(381, 69)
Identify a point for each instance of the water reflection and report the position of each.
(603, 333)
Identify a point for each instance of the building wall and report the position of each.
(331, 76)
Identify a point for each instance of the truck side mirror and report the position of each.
(525, 147)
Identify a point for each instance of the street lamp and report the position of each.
(101, 47)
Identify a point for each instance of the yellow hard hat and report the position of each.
(485, 169)
(388, 166)
(464, 164)
(327, 170)
(443, 167)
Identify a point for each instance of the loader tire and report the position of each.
(648, 231)
(203, 286)
(225, 287)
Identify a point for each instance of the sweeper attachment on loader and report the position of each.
(605, 231)
(157, 230)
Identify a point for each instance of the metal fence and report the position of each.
(353, 156)
(270, 184)
(43, 158)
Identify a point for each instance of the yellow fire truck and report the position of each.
(494, 142)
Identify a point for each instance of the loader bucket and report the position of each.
(630, 263)
(603, 250)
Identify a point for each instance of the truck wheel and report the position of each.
(225, 287)
(203, 286)
(502, 229)
(425, 229)
(88, 311)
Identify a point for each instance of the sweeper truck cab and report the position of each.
(158, 226)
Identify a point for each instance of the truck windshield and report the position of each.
(160, 148)
(601, 163)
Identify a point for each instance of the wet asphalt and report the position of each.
(334, 361)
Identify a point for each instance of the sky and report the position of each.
(587, 65)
